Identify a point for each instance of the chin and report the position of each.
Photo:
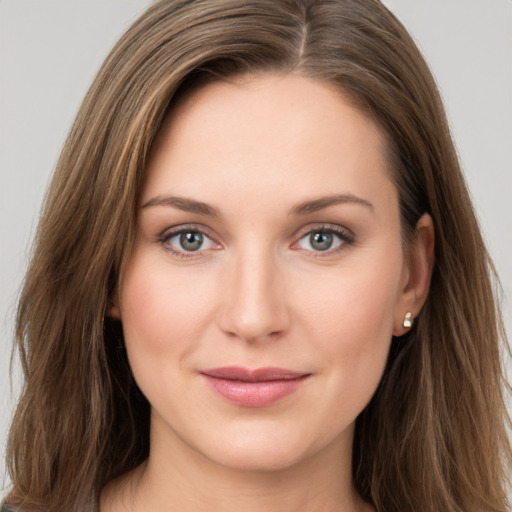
(258, 458)
(263, 449)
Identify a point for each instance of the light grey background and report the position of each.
(51, 49)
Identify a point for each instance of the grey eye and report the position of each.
(187, 241)
(191, 240)
(321, 241)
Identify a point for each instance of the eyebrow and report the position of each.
(308, 207)
(182, 203)
(305, 208)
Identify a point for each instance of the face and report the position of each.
(267, 275)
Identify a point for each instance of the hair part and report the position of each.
(433, 436)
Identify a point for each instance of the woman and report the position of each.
(258, 281)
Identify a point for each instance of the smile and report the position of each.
(253, 388)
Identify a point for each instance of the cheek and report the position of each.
(355, 306)
(163, 314)
(357, 332)
(350, 317)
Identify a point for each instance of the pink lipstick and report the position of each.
(253, 388)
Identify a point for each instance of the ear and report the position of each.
(416, 275)
(113, 310)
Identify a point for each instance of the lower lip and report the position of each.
(254, 394)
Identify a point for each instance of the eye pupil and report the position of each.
(191, 240)
(321, 241)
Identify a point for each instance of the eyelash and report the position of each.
(345, 236)
(166, 236)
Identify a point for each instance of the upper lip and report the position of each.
(257, 375)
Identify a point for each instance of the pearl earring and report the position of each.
(408, 320)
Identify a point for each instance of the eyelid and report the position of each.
(327, 227)
(346, 236)
(170, 232)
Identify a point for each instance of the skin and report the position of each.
(257, 293)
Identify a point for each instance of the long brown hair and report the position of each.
(433, 438)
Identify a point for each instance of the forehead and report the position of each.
(267, 133)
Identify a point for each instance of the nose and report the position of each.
(253, 301)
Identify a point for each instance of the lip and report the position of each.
(260, 387)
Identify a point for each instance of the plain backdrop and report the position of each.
(50, 51)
